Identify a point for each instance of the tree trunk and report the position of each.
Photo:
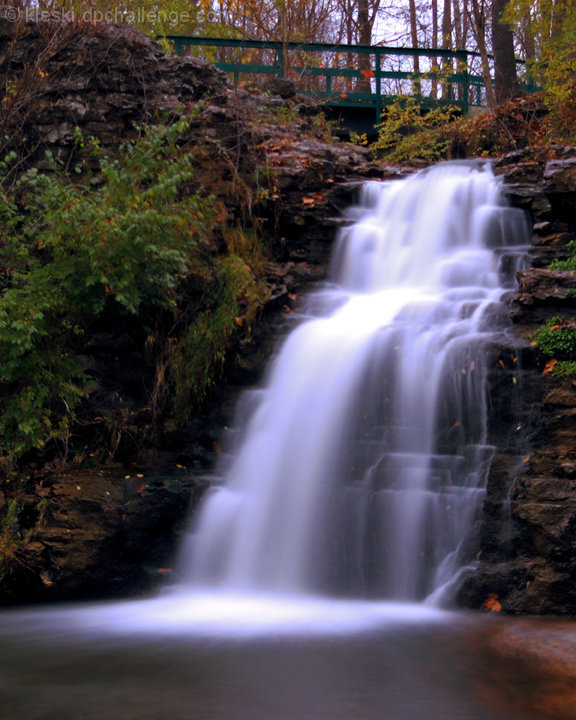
(414, 40)
(459, 39)
(558, 15)
(505, 79)
(363, 84)
(479, 29)
(447, 67)
(435, 67)
(528, 38)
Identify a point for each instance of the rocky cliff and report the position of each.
(528, 528)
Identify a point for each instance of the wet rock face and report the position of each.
(100, 534)
(528, 528)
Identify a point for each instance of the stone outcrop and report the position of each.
(528, 528)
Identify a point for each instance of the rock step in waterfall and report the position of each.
(362, 466)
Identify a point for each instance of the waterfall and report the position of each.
(362, 466)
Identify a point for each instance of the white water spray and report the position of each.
(362, 467)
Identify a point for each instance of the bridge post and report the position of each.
(378, 80)
(462, 59)
(280, 60)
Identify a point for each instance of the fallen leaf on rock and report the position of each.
(549, 367)
(492, 603)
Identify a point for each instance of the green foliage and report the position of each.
(552, 28)
(10, 536)
(565, 368)
(358, 138)
(67, 252)
(570, 263)
(408, 131)
(557, 338)
(197, 358)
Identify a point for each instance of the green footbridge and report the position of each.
(354, 82)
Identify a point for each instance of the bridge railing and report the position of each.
(342, 75)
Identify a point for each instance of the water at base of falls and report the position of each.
(362, 466)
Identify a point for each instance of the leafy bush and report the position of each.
(565, 368)
(557, 338)
(196, 358)
(408, 131)
(570, 263)
(552, 28)
(67, 251)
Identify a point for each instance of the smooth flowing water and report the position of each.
(361, 469)
(209, 659)
(351, 490)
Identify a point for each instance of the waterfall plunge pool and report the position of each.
(215, 657)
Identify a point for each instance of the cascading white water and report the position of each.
(362, 466)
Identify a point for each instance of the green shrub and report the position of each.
(557, 338)
(570, 263)
(565, 368)
(195, 360)
(408, 131)
(67, 251)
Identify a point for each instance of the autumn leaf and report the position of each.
(492, 603)
(343, 95)
(549, 367)
(368, 73)
(239, 321)
(308, 201)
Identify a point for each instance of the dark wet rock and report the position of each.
(280, 86)
(544, 293)
(99, 534)
(527, 560)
